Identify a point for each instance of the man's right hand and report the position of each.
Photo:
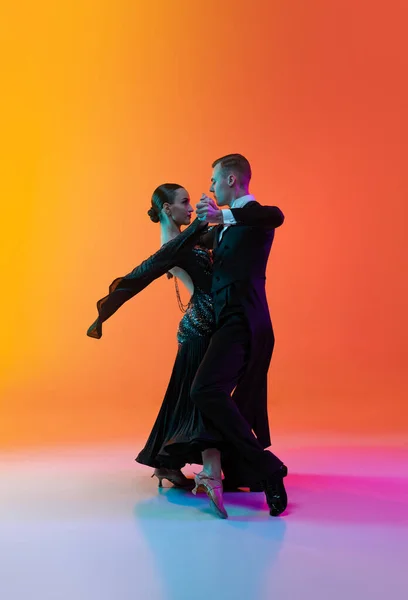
(208, 211)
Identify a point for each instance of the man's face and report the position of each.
(222, 185)
(181, 208)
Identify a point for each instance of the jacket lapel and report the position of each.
(218, 230)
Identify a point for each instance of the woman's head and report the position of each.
(171, 201)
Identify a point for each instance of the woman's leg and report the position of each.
(212, 463)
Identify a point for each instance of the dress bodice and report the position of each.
(198, 319)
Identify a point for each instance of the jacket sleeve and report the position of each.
(254, 214)
(124, 288)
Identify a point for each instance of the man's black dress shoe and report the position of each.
(275, 492)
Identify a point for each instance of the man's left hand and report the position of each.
(207, 210)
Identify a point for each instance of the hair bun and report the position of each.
(153, 215)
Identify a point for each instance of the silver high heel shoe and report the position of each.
(213, 488)
(175, 476)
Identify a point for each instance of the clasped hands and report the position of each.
(207, 211)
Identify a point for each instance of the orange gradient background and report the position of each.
(103, 102)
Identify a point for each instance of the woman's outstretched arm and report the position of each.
(124, 288)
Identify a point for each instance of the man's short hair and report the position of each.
(237, 164)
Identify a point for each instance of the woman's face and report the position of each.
(181, 209)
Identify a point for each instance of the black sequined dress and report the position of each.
(180, 432)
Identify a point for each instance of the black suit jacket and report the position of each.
(239, 277)
(242, 254)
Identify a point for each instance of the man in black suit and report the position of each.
(230, 385)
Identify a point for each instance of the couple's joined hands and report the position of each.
(207, 211)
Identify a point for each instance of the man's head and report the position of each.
(230, 178)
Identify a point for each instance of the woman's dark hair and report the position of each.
(164, 193)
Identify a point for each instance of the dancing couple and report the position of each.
(214, 411)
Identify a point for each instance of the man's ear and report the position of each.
(231, 179)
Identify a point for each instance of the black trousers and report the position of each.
(217, 376)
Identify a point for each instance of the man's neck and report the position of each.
(238, 194)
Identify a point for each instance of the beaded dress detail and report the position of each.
(198, 319)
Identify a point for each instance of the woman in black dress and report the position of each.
(180, 434)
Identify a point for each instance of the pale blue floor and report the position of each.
(90, 524)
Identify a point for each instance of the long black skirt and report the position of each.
(180, 432)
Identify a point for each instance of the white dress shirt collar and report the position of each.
(228, 217)
(240, 202)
